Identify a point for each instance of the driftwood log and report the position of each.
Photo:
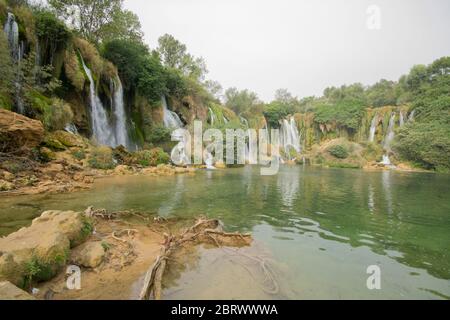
(204, 231)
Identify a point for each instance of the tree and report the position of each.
(214, 88)
(240, 101)
(174, 55)
(99, 20)
(284, 96)
(129, 57)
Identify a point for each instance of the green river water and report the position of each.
(318, 229)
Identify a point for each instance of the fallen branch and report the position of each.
(201, 232)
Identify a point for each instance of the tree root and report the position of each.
(204, 231)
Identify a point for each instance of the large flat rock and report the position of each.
(17, 131)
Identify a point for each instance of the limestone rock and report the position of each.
(8, 176)
(6, 186)
(9, 292)
(19, 131)
(88, 255)
(67, 139)
(122, 170)
(46, 242)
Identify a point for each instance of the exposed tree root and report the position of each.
(204, 231)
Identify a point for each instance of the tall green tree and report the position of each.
(240, 101)
(174, 55)
(99, 20)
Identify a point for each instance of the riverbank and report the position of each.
(121, 255)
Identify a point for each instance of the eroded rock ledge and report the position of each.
(115, 250)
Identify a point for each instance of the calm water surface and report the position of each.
(319, 228)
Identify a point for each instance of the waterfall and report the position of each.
(171, 119)
(71, 128)
(412, 115)
(11, 29)
(121, 117)
(402, 119)
(388, 140)
(212, 117)
(209, 161)
(290, 137)
(244, 121)
(225, 120)
(102, 131)
(390, 133)
(373, 128)
(16, 48)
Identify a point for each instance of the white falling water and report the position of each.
(121, 117)
(388, 140)
(102, 130)
(209, 161)
(290, 137)
(402, 119)
(171, 119)
(212, 117)
(390, 133)
(373, 128)
(412, 115)
(225, 120)
(11, 30)
(244, 121)
(71, 128)
(252, 149)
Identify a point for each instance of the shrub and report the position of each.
(159, 134)
(101, 158)
(73, 70)
(151, 158)
(427, 144)
(339, 152)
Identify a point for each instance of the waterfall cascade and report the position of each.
(244, 121)
(121, 133)
(373, 128)
(212, 117)
(390, 133)
(102, 130)
(11, 30)
(402, 119)
(290, 137)
(16, 48)
(171, 119)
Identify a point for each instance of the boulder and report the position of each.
(122, 170)
(18, 131)
(43, 247)
(9, 292)
(88, 255)
(67, 139)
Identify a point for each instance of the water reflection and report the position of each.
(314, 219)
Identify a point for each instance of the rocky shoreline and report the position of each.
(113, 251)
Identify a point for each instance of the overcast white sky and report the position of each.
(301, 45)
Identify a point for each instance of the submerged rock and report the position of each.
(18, 131)
(38, 252)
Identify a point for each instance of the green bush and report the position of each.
(339, 152)
(159, 134)
(426, 144)
(151, 158)
(101, 158)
